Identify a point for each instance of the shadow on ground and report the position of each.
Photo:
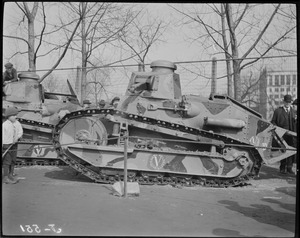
(67, 173)
(268, 172)
(291, 191)
(265, 214)
(228, 233)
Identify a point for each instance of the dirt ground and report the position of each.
(53, 201)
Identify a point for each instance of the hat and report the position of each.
(295, 102)
(8, 65)
(86, 102)
(287, 98)
(115, 99)
(11, 111)
(102, 102)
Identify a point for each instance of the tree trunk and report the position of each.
(32, 65)
(235, 55)
(227, 56)
(237, 80)
(83, 54)
(30, 17)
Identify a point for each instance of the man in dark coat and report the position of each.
(295, 105)
(284, 117)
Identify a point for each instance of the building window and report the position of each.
(276, 80)
(288, 89)
(270, 80)
(282, 80)
(288, 80)
(276, 96)
(281, 89)
(294, 79)
(270, 90)
(277, 90)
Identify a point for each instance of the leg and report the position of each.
(13, 162)
(289, 165)
(5, 169)
(6, 163)
(11, 172)
(282, 167)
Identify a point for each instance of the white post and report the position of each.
(125, 163)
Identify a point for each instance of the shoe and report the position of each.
(289, 171)
(282, 171)
(8, 181)
(11, 177)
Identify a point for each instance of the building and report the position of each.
(280, 83)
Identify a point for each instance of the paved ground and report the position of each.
(52, 201)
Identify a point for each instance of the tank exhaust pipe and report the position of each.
(231, 123)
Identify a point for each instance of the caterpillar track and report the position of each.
(182, 140)
(106, 174)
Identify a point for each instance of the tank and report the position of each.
(39, 112)
(164, 137)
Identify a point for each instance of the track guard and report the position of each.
(264, 143)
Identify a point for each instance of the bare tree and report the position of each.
(142, 35)
(241, 31)
(100, 27)
(33, 52)
(250, 89)
(99, 80)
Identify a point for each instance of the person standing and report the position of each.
(115, 102)
(12, 131)
(284, 118)
(86, 104)
(102, 104)
(10, 74)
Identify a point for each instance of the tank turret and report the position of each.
(161, 83)
(26, 90)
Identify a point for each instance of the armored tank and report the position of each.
(39, 112)
(169, 138)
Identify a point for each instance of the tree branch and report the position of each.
(66, 48)
(42, 33)
(261, 33)
(241, 16)
(269, 48)
(18, 38)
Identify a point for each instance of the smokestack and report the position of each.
(213, 76)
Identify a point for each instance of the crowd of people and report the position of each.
(86, 104)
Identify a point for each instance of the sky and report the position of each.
(176, 48)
